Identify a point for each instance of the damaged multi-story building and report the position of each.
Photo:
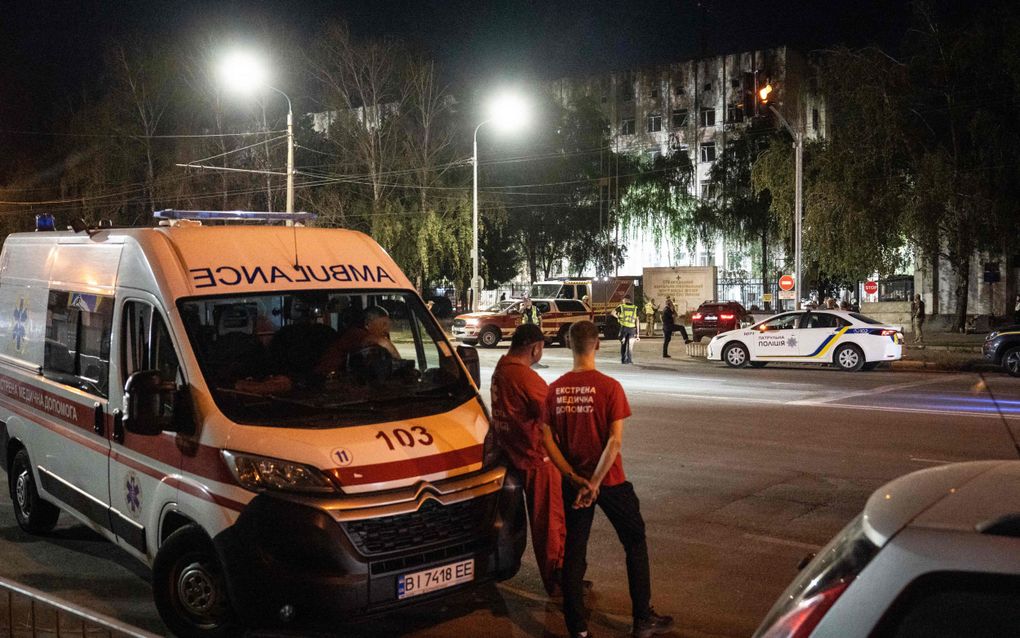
(695, 107)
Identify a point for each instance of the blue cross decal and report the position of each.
(20, 319)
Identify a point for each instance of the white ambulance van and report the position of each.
(266, 415)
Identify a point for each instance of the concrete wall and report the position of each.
(895, 313)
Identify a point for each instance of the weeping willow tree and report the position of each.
(659, 201)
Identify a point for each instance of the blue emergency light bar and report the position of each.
(233, 215)
(45, 221)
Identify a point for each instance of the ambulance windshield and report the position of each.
(323, 358)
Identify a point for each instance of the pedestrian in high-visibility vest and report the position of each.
(627, 314)
(530, 313)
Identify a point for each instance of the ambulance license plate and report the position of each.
(429, 580)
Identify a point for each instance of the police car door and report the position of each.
(140, 465)
(776, 338)
(817, 334)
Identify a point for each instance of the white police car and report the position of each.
(934, 554)
(848, 340)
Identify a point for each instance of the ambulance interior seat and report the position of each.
(237, 352)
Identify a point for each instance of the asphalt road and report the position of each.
(740, 474)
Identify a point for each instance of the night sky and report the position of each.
(50, 50)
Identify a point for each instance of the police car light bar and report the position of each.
(232, 215)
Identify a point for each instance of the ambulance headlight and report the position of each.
(259, 473)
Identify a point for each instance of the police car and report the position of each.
(848, 340)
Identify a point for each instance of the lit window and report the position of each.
(708, 152)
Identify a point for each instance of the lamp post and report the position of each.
(243, 71)
(508, 112)
(798, 199)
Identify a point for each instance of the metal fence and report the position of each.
(29, 613)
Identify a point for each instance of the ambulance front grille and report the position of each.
(432, 524)
(459, 323)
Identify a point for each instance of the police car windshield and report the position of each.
(323, 358)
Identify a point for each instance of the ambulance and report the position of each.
(263, 412)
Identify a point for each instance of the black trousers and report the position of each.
(667, 335)
(620, 505)
(626, 334)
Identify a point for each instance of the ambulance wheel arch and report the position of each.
(189, 588)
(34, 514)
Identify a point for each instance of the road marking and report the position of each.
(921, 459)
(883, 389)
(783, 541)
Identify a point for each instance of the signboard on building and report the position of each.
(688, 286)
(767, 297)
(787, 294)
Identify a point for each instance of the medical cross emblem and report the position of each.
(20, 319)
(133, 494)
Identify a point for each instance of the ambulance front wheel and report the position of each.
(188, 586)
(34, 515)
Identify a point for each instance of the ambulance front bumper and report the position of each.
(299, 562)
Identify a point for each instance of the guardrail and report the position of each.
(26, 612)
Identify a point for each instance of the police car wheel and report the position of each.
(735, 355)
(34, 515)
(489, 337)
(1011, 362)
(188, 586)
(849, 358)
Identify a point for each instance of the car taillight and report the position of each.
(888, 333)
(800, 621)
(726, 317)
(696, 315)
(819, 585)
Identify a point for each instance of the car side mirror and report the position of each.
(149, 403)
(469, 356)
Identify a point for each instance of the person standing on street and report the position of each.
(530, 314)
(1016, 310)
(584, 435)
(518, 416)
(650, 309)
(626, 314)
(669, 326)
(917, 318)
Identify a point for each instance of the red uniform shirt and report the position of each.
(581, 405)
(518, 412)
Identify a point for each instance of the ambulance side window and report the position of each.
(77, 349)
(147, 343)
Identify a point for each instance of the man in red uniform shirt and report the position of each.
(584, 436)
(518, 414)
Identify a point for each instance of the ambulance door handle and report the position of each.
(98, 424)
(118, 426)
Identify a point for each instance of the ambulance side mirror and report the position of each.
(148, 403)
(469, 356)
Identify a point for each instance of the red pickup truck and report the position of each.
(488, 327)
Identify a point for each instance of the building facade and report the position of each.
(696, 106)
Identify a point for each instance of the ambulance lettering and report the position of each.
(228, 276)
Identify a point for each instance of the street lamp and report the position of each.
(244, 72)
(507, 112)
(798, 190)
